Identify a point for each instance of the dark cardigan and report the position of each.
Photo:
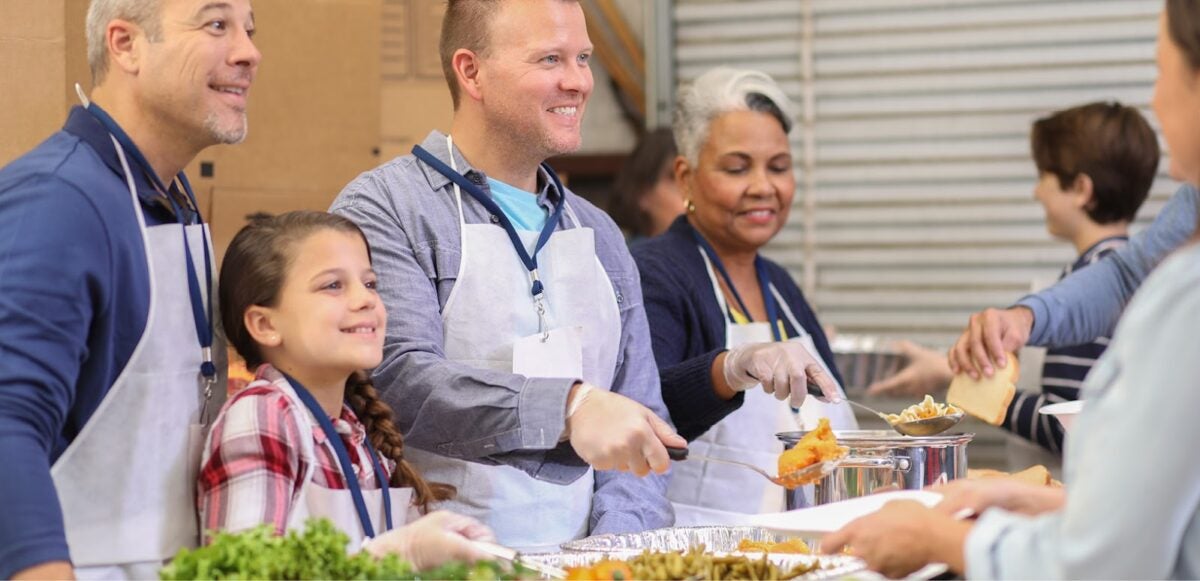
(687, 327)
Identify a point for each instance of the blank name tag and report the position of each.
(560, 355)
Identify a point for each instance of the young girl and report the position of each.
(309, 437)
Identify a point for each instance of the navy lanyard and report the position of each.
(473, 190)
(339, 448)
(201, 312)
(760, 268)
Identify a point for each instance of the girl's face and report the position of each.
(1177, 106)
(329, 321)
(742, 185)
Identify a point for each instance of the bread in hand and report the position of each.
(986, 398)
(1037, 475)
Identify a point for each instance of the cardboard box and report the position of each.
(314, 107)
(230, 206)
(42, 45)
(412, 109)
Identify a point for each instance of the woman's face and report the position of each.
(1177, 106)
(742, 186)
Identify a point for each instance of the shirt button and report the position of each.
(620, 297)
(476, 178)
(494, 218)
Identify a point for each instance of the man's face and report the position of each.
(535, 77)
(197, 77)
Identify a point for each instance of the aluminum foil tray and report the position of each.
(831, 566)
(719, 539)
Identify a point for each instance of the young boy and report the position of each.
(1095, 163)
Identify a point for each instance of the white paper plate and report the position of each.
(819, 520)
(1065, 412)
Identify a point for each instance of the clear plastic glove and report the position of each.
(612, 432)
(783, 368)
(433, 540)
(927, 371)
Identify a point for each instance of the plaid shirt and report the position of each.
(251, 470)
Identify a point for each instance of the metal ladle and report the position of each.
(925, 427)
(788, 480)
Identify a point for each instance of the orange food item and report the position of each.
(603, 570)
(817, 445)
(790, 546)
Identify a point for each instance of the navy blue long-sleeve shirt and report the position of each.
(74, 293)
(1063, 372)
(687, 326)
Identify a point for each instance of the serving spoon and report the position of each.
(923, 427)
(788, 480)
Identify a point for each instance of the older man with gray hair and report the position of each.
(107, 370)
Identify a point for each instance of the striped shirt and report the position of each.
(1062, 372)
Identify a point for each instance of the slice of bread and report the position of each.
(986, 398)
(1037, 475)
(983, 473)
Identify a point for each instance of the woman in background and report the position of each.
(645, 198)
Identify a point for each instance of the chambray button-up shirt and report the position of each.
(410, 217)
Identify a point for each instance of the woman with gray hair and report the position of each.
(724, 319)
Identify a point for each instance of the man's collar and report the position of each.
(91, 131)
(88, 129)
(435, 143)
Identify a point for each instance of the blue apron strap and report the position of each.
(339, 449)
(530, 261)
(202, 314)
(763, 282)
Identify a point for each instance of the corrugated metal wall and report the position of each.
(914, 205)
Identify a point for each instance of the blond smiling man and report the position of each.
(518, 354)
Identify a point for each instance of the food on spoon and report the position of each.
(790, 546)
(921, 411)
(817, 445)
(986, 398)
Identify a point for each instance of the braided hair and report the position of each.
(376, 416)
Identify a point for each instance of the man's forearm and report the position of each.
(48, 571)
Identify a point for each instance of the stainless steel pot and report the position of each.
(884, 460)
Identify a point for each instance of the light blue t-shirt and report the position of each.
(520, 206)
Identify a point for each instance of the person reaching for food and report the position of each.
(1139, 420)
(1096, 163)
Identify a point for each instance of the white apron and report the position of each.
(706, 493)
(127, 483)
(490, 310)
(337, 505)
